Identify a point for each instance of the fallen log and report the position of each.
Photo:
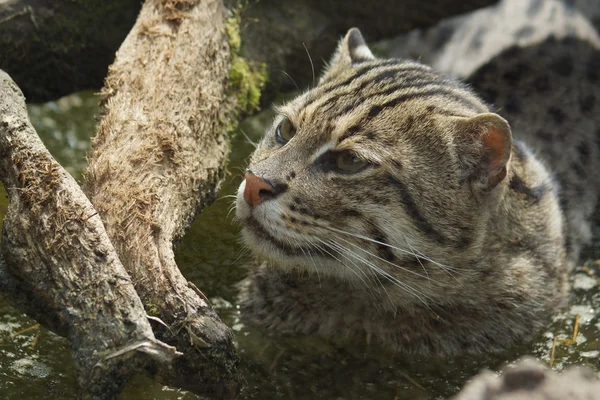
(158, 158)
(60, 265)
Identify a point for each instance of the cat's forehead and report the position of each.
(373, 95)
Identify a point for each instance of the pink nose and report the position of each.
(257, 190)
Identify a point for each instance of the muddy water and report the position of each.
(35, 364)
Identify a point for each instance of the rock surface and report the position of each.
(529, 380)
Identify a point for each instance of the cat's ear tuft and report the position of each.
(484, 146)
(351, 49)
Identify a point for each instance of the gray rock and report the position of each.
(458, 46)
(529, 380)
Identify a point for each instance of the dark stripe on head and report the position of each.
(386, 92)
(533, 194)
(350, 212)
(383, 250)
(459, 97)
(411, 209)
(329, 87)
(407, 77)
(353, 130)
(397, 164)
(519, 151)
(405, 74)
(363, 69)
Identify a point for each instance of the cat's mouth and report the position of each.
(266, 240)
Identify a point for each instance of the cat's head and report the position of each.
(385, 171)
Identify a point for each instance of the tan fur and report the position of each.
(450, 240)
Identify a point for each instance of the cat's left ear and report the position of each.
(484, 146)
(350, 50)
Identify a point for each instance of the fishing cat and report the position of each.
(390, 205)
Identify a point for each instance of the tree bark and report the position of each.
(60, 264)
(158, 158)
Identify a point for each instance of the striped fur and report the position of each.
(450, 239)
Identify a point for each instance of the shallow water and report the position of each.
(36, 363)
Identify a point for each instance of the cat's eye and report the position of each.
(350, 162)
(285, 131)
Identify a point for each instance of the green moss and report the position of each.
(246, 83)
(245, 80)
(232, 28)
(152, 309)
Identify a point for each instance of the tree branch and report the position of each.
(158, 158)
(60, 265)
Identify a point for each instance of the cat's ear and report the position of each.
(350, 50)
(484, 147)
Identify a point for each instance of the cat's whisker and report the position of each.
(227, 196)
(368, 239)
(292, 79)
(353, 270)
(396, 265)
(250, 141)
(312, 65)
(389, 262)
(335, 247)
(231, 209)
(341, 250)
(315, 264)
(352, 262)
(308, 255)
(409, 289)
(446, 267)
(243, 251)
(416, 256)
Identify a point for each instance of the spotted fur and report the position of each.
(449, 240)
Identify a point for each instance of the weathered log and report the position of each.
(159, 157)
(60, 265)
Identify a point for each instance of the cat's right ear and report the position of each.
(350, 50)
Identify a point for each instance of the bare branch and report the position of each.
(158, 158)
(60, 265)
